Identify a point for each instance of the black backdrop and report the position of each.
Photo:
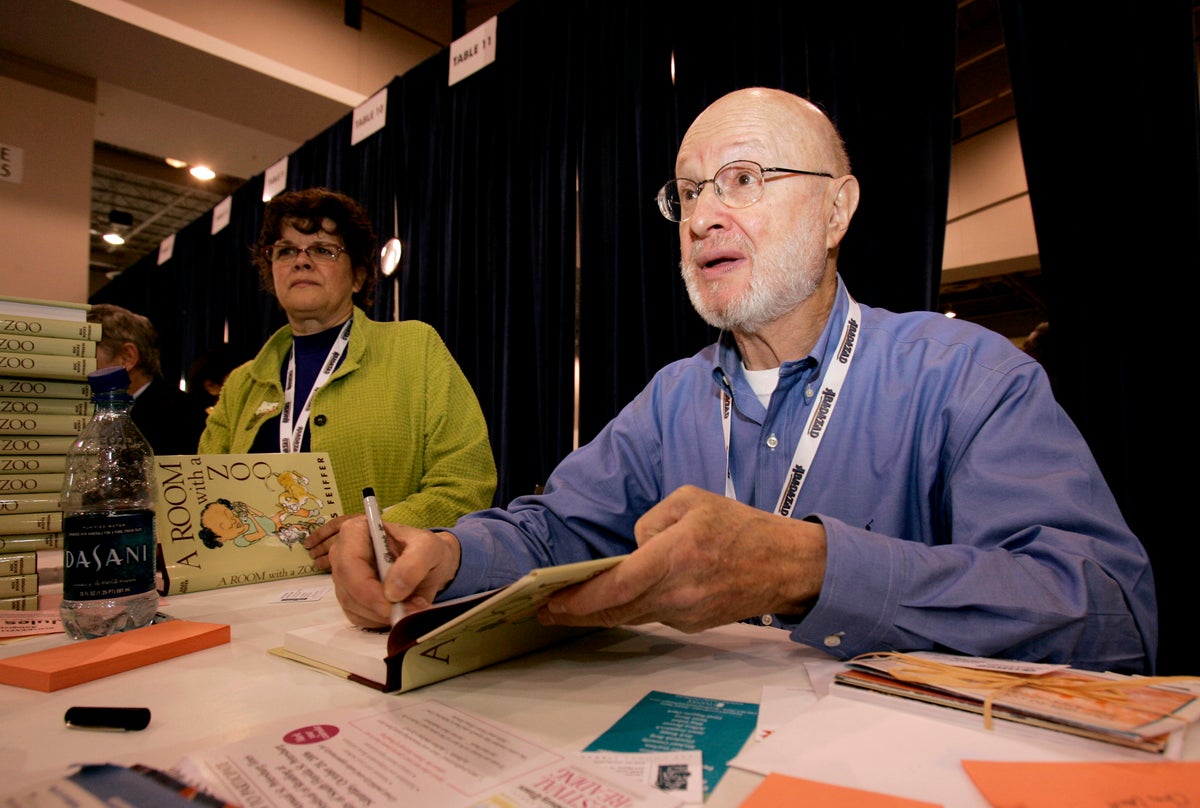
(530, 184)
(541, 169)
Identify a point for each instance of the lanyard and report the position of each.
(814, 431)
(291, 437)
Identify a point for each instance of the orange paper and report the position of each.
(1052, 785)
(85, 660)
(782, 789)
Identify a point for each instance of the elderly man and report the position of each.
(170, 419)
(864, 480)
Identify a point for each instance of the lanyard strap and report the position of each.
(814, 430)
(291, 437)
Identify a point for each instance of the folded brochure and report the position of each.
(1132, 711)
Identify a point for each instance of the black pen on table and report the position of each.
(383, 554)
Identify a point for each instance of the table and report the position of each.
(562, 697)
(565, 696)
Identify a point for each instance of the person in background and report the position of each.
(386, 401)
(207, 375)
(167, 416)
(863, 480)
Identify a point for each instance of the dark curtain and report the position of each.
(1108, 120)
(539, 172)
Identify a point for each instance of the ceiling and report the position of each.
(255, 126)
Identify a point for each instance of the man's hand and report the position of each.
(703, 560)
(319, 541)
(425, 563)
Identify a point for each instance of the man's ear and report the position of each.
(841, 211)
(128, 355)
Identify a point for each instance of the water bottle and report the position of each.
(108, 518)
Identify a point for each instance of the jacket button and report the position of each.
(319, 420)
(833, 640)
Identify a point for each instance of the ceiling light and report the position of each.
(175, 163)
(114, 239)
(951, 314)
(203, 172)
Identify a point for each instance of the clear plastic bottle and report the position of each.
(108, 518)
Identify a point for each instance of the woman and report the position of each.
(385, 401)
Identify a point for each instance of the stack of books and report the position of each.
(47, 349)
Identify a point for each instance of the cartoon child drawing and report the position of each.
(225, 521)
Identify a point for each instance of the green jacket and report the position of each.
(398, 415)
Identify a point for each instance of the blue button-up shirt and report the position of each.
(962, 508)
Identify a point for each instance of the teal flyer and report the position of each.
(667, 722)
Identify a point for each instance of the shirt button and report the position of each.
(772, 441)
(320, 420)
(808, 392)
(768, 620)
(833, 640)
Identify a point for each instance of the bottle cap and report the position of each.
(105, 380)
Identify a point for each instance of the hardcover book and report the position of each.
(33, 464)
(43, 366)
(47, 309)
(68, 425)
(45, 388)
(20, 603)
(44, 502)
(19, 524)
(18, 563)
(36, 444)
(226, 520)
(17, 405)
(27, 325)
(447, 639)
(46, 346)
(30, 483)
(31, 541)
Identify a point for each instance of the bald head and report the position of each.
(780, 122)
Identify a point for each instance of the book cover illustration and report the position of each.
(227, 520)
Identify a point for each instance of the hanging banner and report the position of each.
(369, 117)
(166, 249)
(472, 52)
(275, 180)
(221, 214)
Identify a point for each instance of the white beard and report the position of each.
(779, 281)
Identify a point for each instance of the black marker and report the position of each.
(113, 719)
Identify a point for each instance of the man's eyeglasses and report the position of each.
(738, 184)
(321, 253)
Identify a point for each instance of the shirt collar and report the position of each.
(727, 362)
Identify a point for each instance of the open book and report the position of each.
(446, 640)
(1131, 711)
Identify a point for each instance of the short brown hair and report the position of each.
(307, 211)
(119, 326)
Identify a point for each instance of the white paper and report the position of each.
(417, 753)
(894, 751)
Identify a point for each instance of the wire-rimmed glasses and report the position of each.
(320, 252)
(738, 184)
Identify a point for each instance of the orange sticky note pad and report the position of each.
(782, 789)
(85, 660)
(1103, 784)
